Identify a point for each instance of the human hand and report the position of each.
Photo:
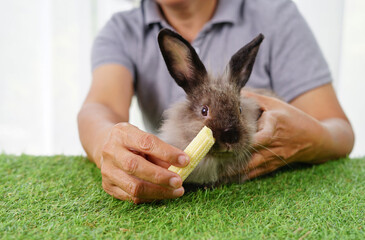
(285, 134)
(134, 166)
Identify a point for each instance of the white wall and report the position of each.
(339, 27)
(45, 68)
(351, 87)
(325, 18)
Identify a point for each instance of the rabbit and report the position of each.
(212, 101)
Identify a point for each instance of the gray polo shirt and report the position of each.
(289, 61)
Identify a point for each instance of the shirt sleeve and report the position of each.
(297, 64)
(110, 46)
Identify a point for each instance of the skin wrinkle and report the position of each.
(147, 143)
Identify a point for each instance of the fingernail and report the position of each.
(182, 160)
(175, 182)
(178, 192)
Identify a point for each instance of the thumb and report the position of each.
(264, 101)
(266, 129)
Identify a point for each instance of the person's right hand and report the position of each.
(134, 166)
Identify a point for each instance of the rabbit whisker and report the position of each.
(276, 155)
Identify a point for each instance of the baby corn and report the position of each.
(196, 150)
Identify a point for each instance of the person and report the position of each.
(308, 125)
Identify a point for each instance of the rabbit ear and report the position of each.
(182, 61)
(241, 63)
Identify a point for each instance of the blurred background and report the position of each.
(45, 66)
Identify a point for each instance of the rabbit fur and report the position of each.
(215, 102)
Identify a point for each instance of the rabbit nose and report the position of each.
(230, 135)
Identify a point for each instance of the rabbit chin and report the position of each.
(219, 167)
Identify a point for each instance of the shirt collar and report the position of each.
(228, 11)
(151, 12)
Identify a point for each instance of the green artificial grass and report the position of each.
(61, 197)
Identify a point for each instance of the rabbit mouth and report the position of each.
(222, 155)
(222, 149)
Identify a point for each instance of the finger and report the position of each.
(118, 193)
(138, 166)
(264, 101)
(263, 170)
(266, 128)
(158, 162)
(256, 161)
(138, 188)
(153, 160)
(149, 144)
(257, 172)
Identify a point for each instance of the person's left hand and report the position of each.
(285, 134)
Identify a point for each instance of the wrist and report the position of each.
(336, 140)
(100, 141)
(95, 123)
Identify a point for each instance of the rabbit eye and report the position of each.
(205, 111)
(240, 110)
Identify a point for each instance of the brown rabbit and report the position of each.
(212, 101)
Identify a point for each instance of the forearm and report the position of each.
(337, 141)
(95, 122)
